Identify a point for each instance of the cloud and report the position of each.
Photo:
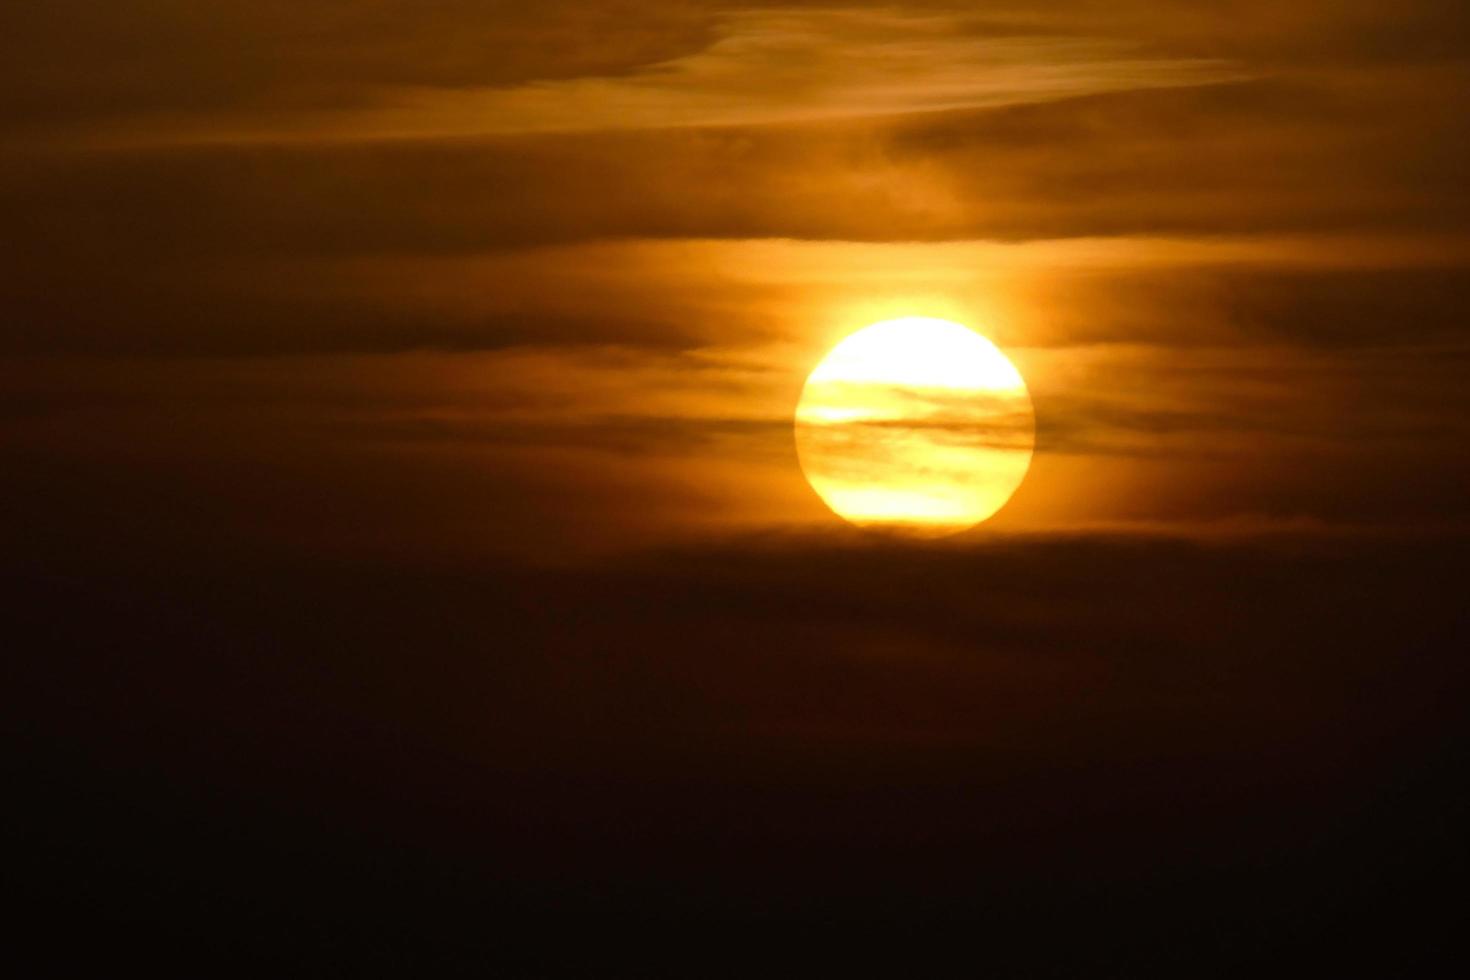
(433, 501)
(785, 66)
(1190, 275)
(1268, 158)
(995, 655)
(74, 64)
(967, 730)
(1317, 291)
(760, 67)
(144, 62)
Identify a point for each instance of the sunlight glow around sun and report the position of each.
(915, 424)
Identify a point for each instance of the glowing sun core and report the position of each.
(916, 424)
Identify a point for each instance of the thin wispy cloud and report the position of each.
(763, 67)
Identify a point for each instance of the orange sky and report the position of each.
(404, 550)
(1226, 249)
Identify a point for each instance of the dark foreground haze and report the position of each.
(405, 565)
(1079, 753)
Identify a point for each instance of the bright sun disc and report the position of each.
(915, 424)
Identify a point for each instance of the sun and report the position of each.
(916, 424)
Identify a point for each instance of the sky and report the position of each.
(396, 418)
